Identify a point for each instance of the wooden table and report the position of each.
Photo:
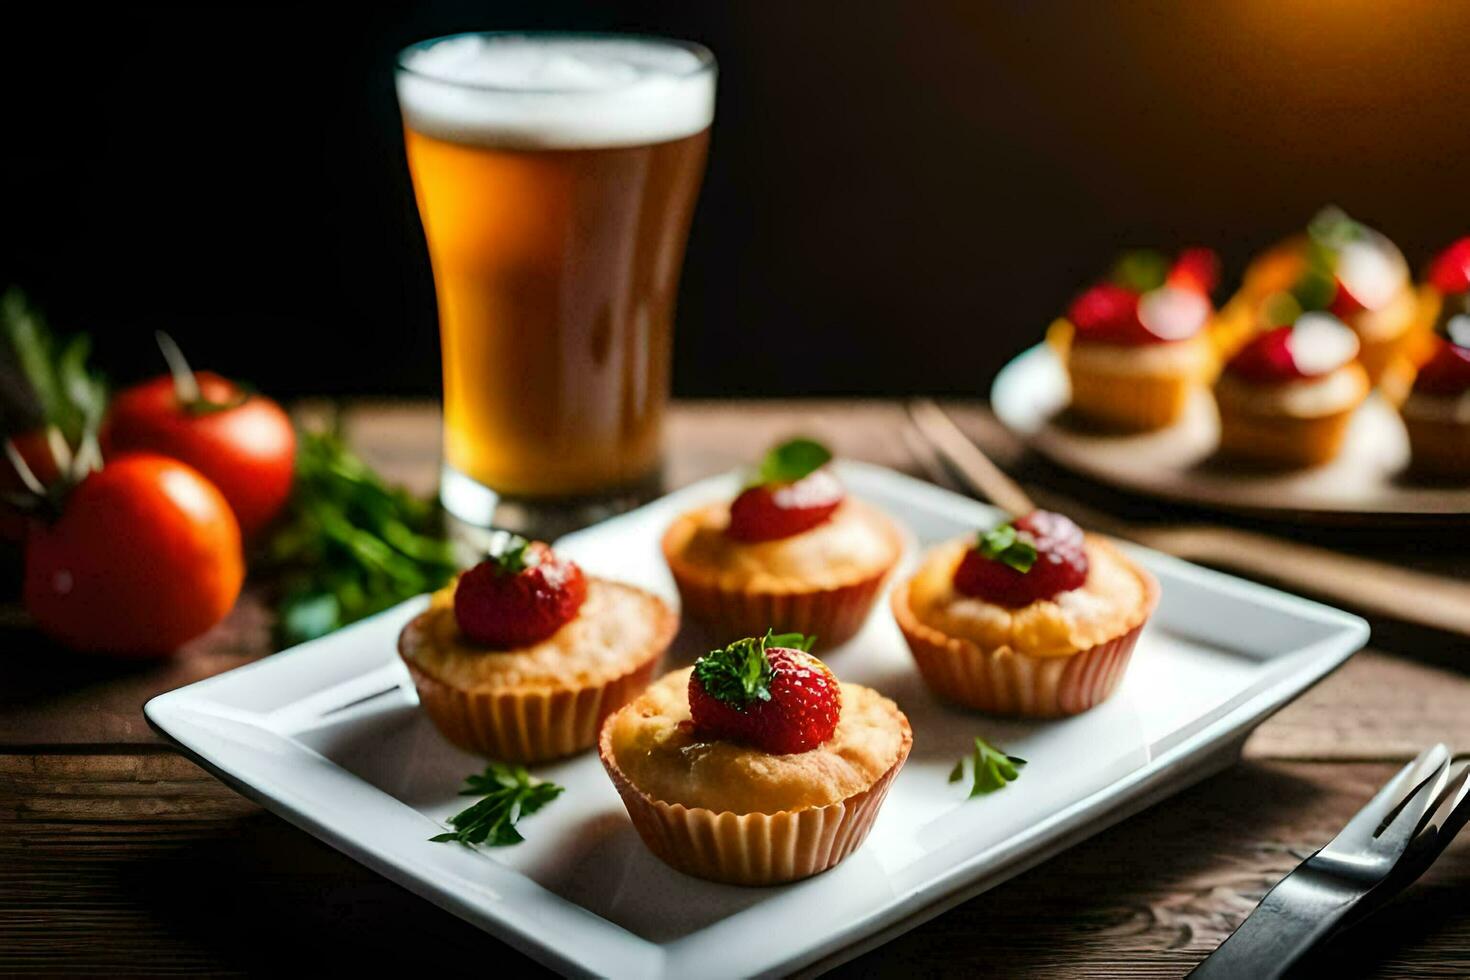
(117, 855)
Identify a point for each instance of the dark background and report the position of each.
(900, 195)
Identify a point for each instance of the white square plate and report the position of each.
(329, 736)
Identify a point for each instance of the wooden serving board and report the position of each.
(1370, 477)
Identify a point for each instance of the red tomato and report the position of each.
(36, 451)
(145, 556)
(247, 450)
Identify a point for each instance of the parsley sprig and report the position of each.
(1005, 544)
(512, 556)
(510, 792)
(990, 768)
(351, 545)
(790, 461)
(741, 672)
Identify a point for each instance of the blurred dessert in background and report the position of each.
(1437, 410)
(1343, 267)
(1136, 345)
(1286, 397)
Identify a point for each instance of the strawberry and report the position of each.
(1344, 304)
(1266, 359)
(1450, 270)
(1447, 372)
(779, 510)
(1037, 557)
(518, 597)
(1109, 313)
(1197, 269)
(767, 692)
(791, 493)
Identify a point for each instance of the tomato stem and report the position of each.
(186, 386)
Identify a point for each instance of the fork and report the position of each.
(1385, 847)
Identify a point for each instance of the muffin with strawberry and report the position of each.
(1343, 267)
(523, 656)
(791, 551)
(755, 766)
(1286, 399)
(1136, 347)
(1031, 617)
(1437, 411)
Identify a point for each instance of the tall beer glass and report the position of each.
(555, 175)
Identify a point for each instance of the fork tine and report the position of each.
(1365, 823)
(1448, 801)
(1404, 822)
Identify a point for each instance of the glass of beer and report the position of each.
(555, 176)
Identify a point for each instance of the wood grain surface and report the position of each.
(118, 856)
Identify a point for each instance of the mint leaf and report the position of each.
(1005, 545)
(510, 792)
(1140, 269)
(513, 556)
(792, 460)
(1332, 228)
(990, 768)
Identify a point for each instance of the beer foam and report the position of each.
(556, 91)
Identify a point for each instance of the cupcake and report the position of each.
(1437, 411)
(1286, 399)
(792, 552)
(523, 656)
(1030, 618)
(755, 766)
(1136, 347)
(1345, 268)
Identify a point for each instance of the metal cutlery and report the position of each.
(1383, 849)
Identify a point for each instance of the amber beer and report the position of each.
(555, 176)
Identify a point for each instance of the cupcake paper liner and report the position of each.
(533, 724)
(1138, 402)
(1005, 682)
(752, 848)
(833, 615)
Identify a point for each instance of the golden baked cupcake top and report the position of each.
(855, 542)
(1113, 599)
(654, 743)
(527, 618)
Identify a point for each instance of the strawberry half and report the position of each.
(518, 597)
(1450, 270)
(1197, 269)
(1037, 557)
(791, 493)
(780, 510)
(767, 692)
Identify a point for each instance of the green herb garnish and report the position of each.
(46, 379)
(512, 557)
(350, 545)
(1004, 544)
(1332, 228)
(991, 769)
(510, 792)
(741, 672)
(1140, 269)
(792, 460)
